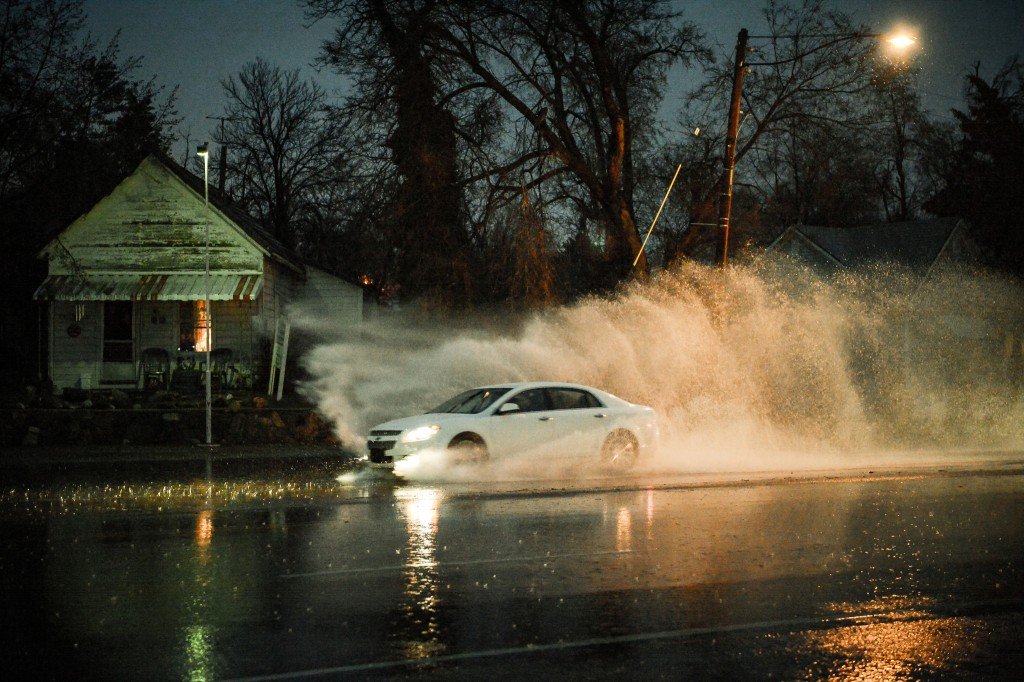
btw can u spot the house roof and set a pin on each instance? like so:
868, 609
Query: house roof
246, 222
916, 244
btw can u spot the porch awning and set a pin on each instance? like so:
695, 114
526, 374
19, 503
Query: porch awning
190, 287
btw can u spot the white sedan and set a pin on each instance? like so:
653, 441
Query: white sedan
531, 419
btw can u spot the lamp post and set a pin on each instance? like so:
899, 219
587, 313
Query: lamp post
898, 41
204, 152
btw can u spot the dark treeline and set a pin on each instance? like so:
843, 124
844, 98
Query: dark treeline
75, 117
507, 151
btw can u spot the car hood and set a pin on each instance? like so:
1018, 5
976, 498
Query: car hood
418, 420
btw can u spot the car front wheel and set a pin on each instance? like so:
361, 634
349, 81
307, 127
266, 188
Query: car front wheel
468, 448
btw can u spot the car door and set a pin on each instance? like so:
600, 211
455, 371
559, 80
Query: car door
527, 431
580, 421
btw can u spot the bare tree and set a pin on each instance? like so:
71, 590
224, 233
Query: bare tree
532, 282
582, 79
913, 148
809, 86
285, 144
558, 97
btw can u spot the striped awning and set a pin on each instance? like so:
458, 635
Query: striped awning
191, 287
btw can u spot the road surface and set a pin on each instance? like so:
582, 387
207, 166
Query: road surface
873, 573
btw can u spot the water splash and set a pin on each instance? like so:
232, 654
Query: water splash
741, 364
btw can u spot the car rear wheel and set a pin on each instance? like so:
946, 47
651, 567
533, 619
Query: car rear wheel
468, 448
620, 450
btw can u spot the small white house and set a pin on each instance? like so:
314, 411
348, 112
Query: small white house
127, 286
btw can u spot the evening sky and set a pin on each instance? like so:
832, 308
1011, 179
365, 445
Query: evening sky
194, 44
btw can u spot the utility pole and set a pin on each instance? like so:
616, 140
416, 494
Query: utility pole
725, 205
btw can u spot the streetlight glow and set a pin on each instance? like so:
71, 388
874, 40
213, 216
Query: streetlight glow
901, 41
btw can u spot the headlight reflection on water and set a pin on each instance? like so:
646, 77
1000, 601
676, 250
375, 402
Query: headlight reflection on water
420, 608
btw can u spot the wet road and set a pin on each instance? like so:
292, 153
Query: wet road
871, 575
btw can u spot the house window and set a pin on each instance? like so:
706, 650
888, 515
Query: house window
195, 331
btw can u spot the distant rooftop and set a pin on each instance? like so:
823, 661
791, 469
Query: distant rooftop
915, 244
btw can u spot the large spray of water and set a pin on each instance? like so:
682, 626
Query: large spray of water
743, 365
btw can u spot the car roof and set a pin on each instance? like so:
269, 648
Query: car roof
515, 385
539, 384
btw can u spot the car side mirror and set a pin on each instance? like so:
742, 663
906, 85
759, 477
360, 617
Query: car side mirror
508, 408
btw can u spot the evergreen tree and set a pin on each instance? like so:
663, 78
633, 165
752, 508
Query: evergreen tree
983, 184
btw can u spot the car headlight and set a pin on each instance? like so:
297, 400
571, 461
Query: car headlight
421, 433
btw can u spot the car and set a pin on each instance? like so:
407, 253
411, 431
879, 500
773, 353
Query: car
545, 419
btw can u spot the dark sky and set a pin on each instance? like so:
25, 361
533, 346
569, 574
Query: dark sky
196, 43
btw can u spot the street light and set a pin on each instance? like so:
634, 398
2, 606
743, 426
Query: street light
901, 41
204, 152
898, 41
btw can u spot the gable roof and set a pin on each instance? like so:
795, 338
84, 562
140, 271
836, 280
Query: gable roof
246, 222
916, 244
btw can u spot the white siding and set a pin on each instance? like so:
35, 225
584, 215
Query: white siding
328, 300
153, 222
279, 288
75, 361
157, 325
232, 328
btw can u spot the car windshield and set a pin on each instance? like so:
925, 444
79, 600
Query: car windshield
470, 402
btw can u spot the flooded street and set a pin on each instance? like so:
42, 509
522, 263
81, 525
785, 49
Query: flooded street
904, 572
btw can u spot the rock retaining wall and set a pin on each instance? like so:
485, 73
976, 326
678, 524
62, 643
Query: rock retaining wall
161, 419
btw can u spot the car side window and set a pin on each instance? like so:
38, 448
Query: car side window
571, 399
532, 400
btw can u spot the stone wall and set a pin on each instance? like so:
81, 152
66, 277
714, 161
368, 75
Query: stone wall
115, 418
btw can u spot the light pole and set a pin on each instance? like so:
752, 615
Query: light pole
898, 41
204, 152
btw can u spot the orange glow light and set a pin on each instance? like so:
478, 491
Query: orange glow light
202, 326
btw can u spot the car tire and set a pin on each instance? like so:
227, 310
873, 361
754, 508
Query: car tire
620, 450
468, 448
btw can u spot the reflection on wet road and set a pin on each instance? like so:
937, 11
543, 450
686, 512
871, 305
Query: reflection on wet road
880, 576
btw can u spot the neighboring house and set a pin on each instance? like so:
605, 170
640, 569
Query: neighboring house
918, 245
127, 285
976, 325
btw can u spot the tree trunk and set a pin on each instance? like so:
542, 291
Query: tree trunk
433, 249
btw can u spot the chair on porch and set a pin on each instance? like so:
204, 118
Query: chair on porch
222, 367
154, 369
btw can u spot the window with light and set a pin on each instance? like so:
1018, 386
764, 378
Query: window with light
195, 331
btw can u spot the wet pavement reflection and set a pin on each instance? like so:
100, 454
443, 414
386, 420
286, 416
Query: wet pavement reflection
898, 576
